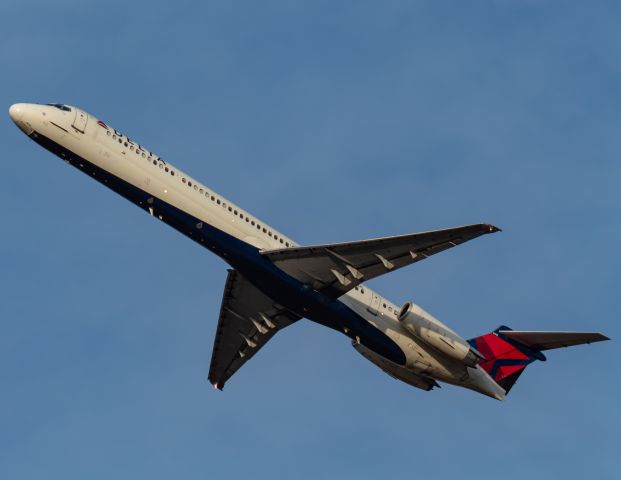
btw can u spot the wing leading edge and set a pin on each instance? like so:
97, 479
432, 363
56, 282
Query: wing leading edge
248, 320
334, 269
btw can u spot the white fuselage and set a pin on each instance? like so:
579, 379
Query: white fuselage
90, 139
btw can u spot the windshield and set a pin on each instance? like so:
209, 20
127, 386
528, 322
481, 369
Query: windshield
60, 106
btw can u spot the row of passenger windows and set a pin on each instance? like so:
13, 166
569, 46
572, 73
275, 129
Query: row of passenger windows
149, 156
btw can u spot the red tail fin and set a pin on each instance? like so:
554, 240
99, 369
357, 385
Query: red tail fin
505, 359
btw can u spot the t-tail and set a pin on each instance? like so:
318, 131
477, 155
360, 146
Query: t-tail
506, 353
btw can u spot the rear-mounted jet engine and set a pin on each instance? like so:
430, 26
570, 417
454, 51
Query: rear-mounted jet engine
434, 333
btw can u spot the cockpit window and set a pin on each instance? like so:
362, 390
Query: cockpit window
60, 106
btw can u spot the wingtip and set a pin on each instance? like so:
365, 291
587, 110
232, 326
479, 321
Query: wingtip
216, 385
491, 228
599, 337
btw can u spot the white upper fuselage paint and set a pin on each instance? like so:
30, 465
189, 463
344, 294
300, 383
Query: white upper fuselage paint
108, 149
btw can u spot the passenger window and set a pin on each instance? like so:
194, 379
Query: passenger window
183, 179
218, 201
161, 166
131, 147
172, 173
189, 183
200, 191
195, 187
166, 169
154, 162
108, 133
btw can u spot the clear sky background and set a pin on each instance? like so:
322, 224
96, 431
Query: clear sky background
331, 121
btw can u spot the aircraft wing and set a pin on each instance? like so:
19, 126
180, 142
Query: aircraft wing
549, 340
336, 268
248, 319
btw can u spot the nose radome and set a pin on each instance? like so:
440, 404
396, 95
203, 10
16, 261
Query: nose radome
16, 111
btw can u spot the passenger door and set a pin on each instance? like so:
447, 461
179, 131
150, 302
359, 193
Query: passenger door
79, 122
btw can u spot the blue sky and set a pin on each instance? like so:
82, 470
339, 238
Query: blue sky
331, 121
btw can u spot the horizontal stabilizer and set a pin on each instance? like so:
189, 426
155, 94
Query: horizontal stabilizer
549, 340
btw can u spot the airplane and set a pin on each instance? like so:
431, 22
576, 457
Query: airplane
273, 281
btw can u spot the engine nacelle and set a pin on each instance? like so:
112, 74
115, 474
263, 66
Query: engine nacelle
396, 371
434, 333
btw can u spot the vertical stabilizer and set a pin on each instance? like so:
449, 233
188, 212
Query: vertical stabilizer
504, 358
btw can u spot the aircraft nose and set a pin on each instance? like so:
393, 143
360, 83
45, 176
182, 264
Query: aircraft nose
16, 112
